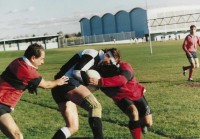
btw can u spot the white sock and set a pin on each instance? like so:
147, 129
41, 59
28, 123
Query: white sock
66, 131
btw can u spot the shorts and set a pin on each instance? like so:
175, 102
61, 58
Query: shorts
4, 109
193, 55
59, 93
141, 105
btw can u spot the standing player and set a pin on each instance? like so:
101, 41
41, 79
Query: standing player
76, 93
120, 84
21, 74
190, 47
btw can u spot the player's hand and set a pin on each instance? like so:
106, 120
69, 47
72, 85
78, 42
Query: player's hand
63, 80
189, 54
94, 81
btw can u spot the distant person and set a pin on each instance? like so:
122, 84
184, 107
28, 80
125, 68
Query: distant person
76, 93
21, 74
114, 40
190, 47
118, 82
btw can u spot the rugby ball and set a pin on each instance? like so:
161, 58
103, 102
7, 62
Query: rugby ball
93, 74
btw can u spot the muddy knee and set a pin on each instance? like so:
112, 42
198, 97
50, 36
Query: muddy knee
91, 104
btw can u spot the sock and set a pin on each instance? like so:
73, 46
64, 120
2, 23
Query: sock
135, 129
62, 133
190, 73
96, 126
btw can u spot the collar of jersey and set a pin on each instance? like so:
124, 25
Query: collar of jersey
28, 62
101, 54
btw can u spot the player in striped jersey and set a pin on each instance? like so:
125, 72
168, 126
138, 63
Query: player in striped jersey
76, 92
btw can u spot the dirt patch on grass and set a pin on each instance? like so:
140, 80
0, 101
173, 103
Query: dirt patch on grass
193, 84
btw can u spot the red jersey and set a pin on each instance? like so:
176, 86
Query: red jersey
17, 77
123, 85
190, 43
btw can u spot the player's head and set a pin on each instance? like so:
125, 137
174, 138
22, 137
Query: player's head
108, 70
35, 53
111, 56
192, 29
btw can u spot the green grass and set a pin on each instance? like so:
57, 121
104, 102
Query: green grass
174, 102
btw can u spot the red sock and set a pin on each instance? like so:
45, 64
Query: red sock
136, 133
135, 129
190, 73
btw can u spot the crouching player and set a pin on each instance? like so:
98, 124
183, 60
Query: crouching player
118, 83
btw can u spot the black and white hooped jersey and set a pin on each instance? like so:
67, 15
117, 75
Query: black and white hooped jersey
81, 62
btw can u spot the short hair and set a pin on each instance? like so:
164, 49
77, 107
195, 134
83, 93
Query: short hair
115, 52
192, 26
33, 50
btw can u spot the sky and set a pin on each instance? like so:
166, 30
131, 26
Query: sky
22, 18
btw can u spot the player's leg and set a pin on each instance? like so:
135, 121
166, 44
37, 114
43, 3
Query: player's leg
70, 115
190, 59
144, 114
191, 70
134, 123
128, 107
9, 127
85, 99
68, 110
147, 121
196, 62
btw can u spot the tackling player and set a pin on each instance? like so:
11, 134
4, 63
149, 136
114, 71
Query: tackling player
21, 74
118, 82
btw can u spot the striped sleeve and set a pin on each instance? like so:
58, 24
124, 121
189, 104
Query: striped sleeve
86, 62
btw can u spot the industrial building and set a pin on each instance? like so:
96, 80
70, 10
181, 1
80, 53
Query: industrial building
160, 23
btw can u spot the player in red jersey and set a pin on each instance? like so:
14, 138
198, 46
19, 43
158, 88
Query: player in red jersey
21, 74
190, 47
118, 82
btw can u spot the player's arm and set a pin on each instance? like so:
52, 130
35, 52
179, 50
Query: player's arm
184, 46
79, 73
40, 82
198, 41
114, 81
51, 84
126, 75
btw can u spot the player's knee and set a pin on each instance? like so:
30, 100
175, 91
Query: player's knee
17, 134
96, 110
192, 66
149, 123
132, 112
92, 106
148, 120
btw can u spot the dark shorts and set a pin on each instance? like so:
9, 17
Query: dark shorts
4, 109
193, 55
141, 105
59, 93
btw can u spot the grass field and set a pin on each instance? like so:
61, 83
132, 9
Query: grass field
174, 101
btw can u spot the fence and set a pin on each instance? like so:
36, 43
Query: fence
99, 38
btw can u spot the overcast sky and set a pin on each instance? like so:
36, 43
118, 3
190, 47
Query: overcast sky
28, 17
